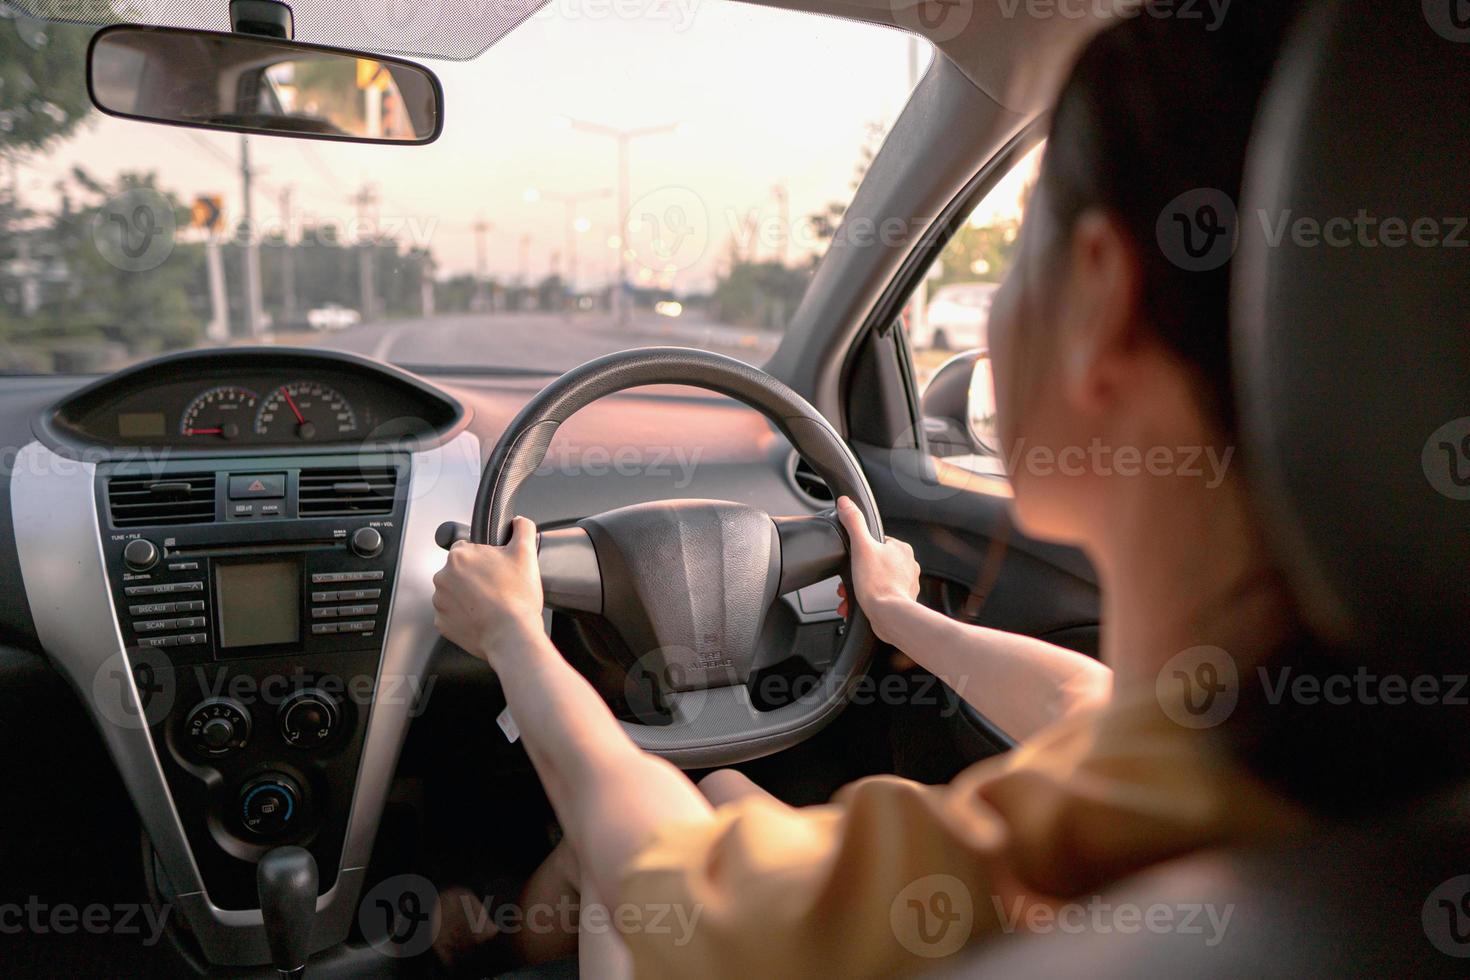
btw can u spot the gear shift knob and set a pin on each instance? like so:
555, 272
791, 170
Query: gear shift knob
286, 881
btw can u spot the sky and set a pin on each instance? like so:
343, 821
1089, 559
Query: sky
765, 101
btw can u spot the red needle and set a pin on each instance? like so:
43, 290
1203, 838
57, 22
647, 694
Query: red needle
300, 420
203, 432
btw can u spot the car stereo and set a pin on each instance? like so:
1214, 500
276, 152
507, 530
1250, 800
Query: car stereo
254, 559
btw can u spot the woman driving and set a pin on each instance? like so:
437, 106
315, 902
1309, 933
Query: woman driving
1098, 337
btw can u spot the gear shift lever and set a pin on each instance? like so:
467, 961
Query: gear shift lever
286, 881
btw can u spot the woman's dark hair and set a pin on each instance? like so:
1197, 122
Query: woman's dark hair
1157, 108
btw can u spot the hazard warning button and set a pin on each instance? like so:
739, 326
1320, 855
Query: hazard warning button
257, 485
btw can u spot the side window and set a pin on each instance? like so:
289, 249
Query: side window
949, 313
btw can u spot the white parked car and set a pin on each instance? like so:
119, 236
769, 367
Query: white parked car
332, 317
957, 317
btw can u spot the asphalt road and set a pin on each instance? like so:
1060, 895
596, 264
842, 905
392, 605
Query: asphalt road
535, 341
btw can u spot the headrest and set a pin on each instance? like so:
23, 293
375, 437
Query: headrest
1352, 321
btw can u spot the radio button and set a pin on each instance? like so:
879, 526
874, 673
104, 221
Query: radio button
155, 641
348, 595
154, 608
323, 612
189, 639
357, 610
357, 626
193, 605
319, 629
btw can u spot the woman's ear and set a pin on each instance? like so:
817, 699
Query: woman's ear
1103, 330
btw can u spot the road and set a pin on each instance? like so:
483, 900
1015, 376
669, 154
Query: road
535, 341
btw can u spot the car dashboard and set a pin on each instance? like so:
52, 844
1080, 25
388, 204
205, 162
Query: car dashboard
229, 554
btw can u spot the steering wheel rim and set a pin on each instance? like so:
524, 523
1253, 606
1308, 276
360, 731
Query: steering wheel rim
719, 724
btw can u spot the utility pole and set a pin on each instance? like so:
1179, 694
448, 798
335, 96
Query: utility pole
622, 137
366, 199
288, 261
254, 323
569, 203
783, 203
481, 228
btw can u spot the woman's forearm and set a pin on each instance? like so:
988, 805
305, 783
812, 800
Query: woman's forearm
1020, 683
609, 795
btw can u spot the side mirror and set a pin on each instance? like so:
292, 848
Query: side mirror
959, 407
250, 84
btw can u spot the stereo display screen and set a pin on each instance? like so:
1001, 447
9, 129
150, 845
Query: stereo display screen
259, 603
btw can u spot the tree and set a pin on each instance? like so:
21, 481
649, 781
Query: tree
43, 82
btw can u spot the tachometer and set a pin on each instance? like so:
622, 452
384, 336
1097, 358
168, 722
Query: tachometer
220, 413
305, 410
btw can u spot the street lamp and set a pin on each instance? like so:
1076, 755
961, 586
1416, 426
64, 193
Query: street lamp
623, 138
571, 221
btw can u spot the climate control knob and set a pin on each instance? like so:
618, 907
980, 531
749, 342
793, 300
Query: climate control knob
140, 554
309, 718
270, 805
366, 542
217, 726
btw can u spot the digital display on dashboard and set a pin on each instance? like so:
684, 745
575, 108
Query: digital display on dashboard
259, 603
140, 425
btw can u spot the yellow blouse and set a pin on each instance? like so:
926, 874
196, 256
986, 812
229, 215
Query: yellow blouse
893, 875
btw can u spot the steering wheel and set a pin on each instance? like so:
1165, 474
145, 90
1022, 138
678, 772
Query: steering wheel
688, 583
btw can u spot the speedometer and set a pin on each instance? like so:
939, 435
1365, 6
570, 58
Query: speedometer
220, 413
305, 410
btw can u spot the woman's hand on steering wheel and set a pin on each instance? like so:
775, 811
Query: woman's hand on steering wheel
884, 573
484, 593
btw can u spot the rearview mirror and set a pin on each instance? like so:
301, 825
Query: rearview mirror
250, 84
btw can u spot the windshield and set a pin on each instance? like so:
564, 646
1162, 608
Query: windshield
731, 136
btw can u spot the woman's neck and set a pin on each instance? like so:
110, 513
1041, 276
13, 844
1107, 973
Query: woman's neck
1182, 565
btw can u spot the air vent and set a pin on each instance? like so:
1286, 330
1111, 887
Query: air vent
809, 483
325, 493
138, 501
